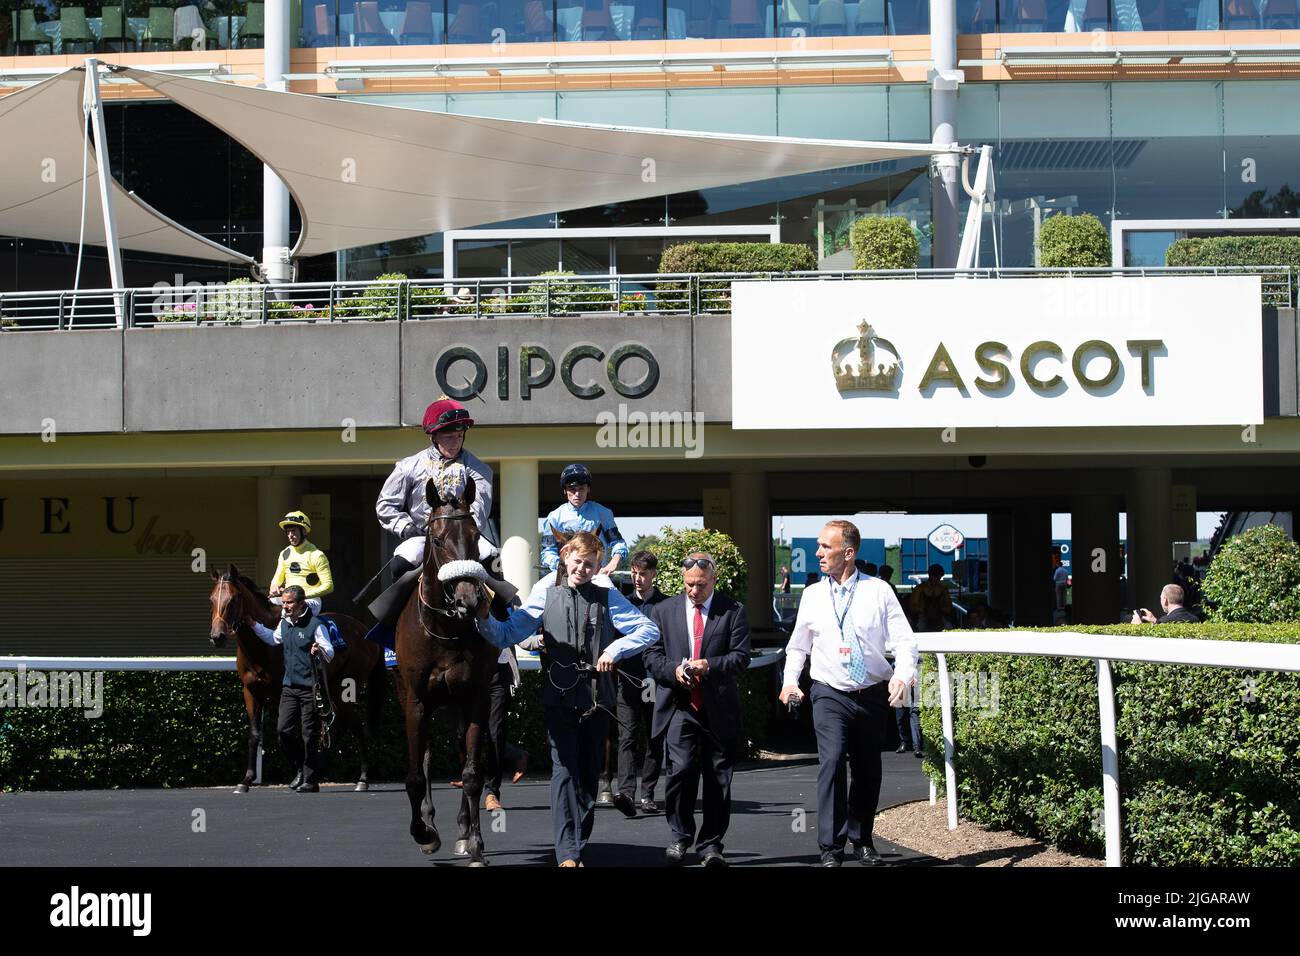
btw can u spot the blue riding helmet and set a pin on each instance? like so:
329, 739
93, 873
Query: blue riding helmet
575, 474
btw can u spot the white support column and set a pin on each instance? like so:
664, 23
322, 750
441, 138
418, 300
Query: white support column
93, 104
520, 550
1109, 762
949, 747
945, 79
275, 195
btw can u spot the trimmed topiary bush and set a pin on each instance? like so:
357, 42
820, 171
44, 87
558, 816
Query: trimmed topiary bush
675, 544
1209, 758
1073, 242
1255, 578
884, 242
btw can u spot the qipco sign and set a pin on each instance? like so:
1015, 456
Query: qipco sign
585, 371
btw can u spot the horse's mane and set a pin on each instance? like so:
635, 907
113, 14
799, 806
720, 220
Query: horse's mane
253, 589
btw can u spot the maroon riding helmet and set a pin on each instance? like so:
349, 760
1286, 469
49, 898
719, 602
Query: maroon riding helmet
446, 413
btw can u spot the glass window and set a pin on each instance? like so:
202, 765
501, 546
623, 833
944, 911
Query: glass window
648, 108
1040, 16
319, 22
910, 17
724, 110
531, 257
1261, 145
976, 16
515, 21
834, 112
1168, 150
909, 114
370, 22
516, 106
638, 255
577, 20
1147, 248
720, 19
482, 258
585, 256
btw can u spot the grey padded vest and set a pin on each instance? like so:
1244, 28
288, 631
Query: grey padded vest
575, 629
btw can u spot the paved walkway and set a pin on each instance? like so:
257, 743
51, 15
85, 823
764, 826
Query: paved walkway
774, 814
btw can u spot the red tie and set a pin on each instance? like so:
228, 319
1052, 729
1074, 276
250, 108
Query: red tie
697, 647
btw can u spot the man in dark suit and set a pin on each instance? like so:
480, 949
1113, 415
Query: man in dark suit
704, 648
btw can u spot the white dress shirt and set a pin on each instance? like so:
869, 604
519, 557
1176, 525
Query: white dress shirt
873, 617
276, 636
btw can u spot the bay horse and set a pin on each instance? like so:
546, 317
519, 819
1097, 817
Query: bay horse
260, 667
443, 661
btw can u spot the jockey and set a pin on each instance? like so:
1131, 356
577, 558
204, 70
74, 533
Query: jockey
402, 508
580, 513
302, 563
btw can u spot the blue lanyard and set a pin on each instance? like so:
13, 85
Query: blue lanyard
848, 604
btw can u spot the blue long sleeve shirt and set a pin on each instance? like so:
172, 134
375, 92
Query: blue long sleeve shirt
638, 631
593, 517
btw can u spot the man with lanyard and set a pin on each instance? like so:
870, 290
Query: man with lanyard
302, 563
844, 621
303, 637
403, 510
581, 626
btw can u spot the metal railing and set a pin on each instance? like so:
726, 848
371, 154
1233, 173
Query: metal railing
1103, 648
247, 303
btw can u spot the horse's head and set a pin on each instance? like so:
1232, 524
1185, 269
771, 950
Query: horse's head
452, 534
227, 601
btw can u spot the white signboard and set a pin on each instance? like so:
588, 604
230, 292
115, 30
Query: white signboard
946, 538
985, 353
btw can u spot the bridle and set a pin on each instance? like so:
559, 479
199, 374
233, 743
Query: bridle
434, 543
233, 598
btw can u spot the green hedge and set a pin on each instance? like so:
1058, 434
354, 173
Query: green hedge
1209, 762
1228, 251
1255, 578
714, 296
884, 242
181, 729
1073, 242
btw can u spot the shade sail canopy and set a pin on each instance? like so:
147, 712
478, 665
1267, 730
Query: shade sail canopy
362, 173
42, 147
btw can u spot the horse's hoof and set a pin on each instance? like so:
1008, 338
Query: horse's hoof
474, 863
430, 848
241, 788
461, 849
428, 839
362, 786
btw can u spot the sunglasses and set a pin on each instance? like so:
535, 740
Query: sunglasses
704, 564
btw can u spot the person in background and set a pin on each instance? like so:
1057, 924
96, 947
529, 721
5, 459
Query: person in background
931, 603
302, 563
1171, 602
636, 702
887, 575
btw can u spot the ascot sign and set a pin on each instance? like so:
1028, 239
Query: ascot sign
1000, 352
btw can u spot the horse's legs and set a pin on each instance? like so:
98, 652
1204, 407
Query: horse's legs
253, 707
471, 837
417, 781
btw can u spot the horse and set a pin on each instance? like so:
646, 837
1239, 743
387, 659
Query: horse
443, 661
260, 666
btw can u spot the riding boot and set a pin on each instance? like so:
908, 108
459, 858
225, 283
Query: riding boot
388, 607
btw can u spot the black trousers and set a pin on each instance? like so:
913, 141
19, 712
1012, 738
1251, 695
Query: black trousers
634, 719
299, 731
499, 752
850, 734
693, 752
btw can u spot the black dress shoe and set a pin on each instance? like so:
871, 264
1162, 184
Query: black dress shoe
867, 855
901, 749
312, 787
297, 781
648, 805
830, 859
623, 803
714, 859
920, 755
676, 852
604, 799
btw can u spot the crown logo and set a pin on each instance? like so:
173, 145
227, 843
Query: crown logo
869, 375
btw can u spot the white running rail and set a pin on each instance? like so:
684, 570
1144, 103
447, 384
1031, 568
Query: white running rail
1103, 648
